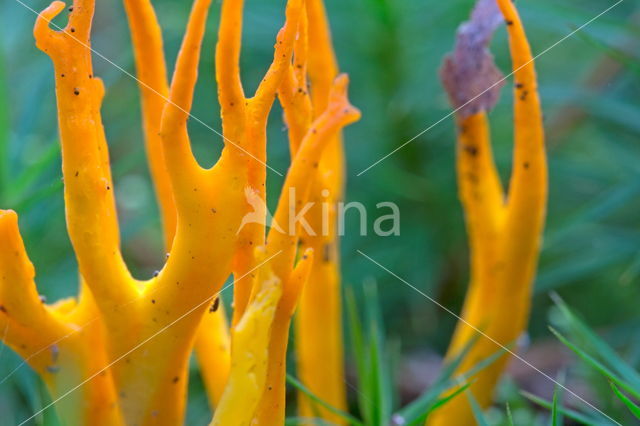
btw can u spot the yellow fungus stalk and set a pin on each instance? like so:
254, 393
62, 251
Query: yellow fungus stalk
212, 341
319, 318
63, 343
249, 356
504, 229
339, 113
307, 140
281, 249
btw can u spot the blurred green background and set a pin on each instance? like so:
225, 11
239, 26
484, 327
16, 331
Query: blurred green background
590, 88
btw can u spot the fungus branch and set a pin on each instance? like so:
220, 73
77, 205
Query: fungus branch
152, 75
244, 119
58, 341
504, 231
90, 204
281, 247
319, 318
339, 113
212, 342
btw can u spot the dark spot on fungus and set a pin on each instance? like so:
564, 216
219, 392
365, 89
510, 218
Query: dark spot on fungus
327, 253
519, 85
73, 30
523, 96
156, 273
108, 188
77, 173
52, 369
55, 352
175, 379
3, 309
471, 150
526, 165
216, 304
509, 22
153, 301
214, 211
71, 9
76, 92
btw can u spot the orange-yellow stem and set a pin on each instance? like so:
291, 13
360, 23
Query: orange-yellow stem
338, 114
63, 343
319, 319
504, 232
151, 72
213, 335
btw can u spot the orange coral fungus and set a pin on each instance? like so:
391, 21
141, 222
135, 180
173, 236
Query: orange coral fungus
504, 229
121, 351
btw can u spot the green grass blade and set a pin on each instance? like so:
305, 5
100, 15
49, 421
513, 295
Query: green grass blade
579, 417
302, 388
40, 194
430, 396
635, 409
580, 330
381, 389
445, 381
556, 415
439, 403
357, 339
510, 415
615, 53
597, 365
477, 410
23, 182
4, 130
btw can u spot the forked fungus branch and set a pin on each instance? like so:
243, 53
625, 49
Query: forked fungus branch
504, 228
